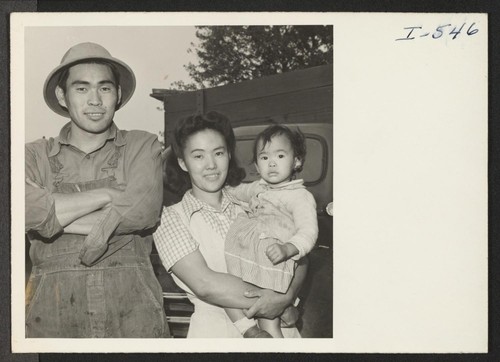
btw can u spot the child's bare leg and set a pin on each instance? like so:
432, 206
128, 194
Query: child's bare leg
234, 314
272, 326
247, 327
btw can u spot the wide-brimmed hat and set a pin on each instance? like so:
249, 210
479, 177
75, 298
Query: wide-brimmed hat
81, 53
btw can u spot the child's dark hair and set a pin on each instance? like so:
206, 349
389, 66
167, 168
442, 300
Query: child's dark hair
296, 138
177, 180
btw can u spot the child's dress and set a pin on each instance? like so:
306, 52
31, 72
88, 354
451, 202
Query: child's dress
276, 214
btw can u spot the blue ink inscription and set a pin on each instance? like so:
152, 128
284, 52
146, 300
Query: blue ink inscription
441, 31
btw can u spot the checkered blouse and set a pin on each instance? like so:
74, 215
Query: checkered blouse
173, 239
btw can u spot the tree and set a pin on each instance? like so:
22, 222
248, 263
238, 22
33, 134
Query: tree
231, 54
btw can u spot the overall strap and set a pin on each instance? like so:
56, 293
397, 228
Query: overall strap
112, 163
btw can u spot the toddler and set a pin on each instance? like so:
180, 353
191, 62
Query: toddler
280, 227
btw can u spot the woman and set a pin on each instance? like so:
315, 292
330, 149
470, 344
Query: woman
190, 239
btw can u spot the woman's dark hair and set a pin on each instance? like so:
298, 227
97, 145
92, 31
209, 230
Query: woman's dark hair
296, 138
177, 180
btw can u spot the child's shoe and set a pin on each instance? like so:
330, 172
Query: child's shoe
289, 317
256, 332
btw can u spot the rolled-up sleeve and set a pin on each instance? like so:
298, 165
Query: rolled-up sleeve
138, 208
40, 213
140, 205
173, 239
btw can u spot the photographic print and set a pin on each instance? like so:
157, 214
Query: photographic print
180, 176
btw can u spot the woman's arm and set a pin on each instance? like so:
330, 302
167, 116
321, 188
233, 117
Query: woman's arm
180, 254
221, 289
228, 291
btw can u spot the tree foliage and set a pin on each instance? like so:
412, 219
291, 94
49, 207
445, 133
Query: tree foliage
231, 54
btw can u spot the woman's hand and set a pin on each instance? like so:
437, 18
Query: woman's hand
271, 304
268, 305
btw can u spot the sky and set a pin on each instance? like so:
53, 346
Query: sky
156, 54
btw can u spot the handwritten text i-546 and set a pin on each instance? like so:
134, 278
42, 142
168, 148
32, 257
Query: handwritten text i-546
441, 31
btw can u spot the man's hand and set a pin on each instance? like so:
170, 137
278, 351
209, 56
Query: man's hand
114, 193
268, 305
280, 252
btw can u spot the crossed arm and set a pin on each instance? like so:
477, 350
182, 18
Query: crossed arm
101, 213
78, 212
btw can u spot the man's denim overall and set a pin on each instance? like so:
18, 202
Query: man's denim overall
117, 297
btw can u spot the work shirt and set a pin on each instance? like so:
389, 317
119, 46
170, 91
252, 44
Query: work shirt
129, 159
101, 284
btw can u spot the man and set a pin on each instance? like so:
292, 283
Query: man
93, 196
